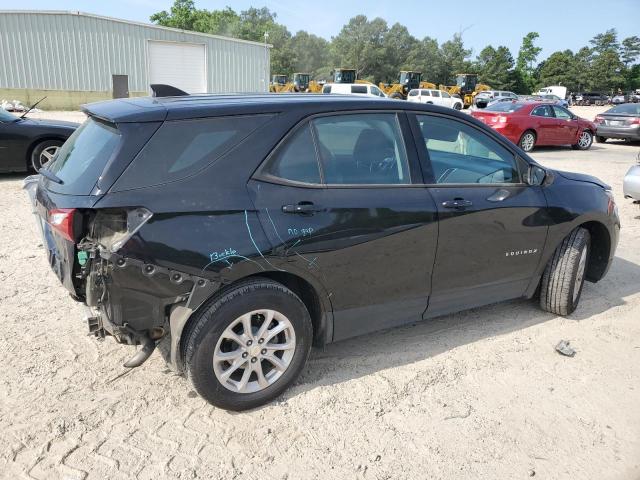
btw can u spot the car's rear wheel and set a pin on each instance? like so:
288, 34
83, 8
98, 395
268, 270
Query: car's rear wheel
527, 141
601, 139
44, 152
563, 278
457, 106
397, 96
585, 140
247, 345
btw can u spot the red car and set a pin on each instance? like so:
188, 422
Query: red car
530, 124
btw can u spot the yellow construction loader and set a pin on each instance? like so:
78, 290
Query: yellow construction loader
408, 81
278, 83
466, 87
281, 83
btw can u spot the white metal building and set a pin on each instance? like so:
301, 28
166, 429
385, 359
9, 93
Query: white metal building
75, 57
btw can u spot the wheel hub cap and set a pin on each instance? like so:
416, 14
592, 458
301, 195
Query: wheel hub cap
254, 351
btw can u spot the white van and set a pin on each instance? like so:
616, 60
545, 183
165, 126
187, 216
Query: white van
366, 89
557, 90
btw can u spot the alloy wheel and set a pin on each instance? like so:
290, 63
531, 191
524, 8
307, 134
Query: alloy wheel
254, 351
585, 140
528, 140
46, 156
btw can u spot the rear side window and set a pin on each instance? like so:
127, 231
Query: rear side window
83, 157
296, 159
181, 148
359, 89
362, 149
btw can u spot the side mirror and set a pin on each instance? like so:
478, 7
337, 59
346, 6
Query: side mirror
535, 175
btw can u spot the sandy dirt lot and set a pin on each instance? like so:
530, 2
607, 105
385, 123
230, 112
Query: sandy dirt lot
476, 395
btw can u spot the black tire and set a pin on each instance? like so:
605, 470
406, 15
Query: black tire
36, 159
584, 141
397, 96
563, 278
601, 139
217, 314
524, 142
457, 106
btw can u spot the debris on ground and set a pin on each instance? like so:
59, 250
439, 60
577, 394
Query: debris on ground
564, 348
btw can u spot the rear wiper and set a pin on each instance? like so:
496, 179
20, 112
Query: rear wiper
51, 176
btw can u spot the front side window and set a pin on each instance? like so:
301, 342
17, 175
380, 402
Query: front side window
562, 113
445, 95
426, 93
376, 91
462, 154
295, 159
326, 89
435, 93
362, 149
413, 93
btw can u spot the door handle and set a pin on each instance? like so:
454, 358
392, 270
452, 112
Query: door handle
301, 208
457, 203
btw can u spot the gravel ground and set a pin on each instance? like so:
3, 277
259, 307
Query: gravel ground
476, 395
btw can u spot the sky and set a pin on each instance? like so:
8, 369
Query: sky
562, 24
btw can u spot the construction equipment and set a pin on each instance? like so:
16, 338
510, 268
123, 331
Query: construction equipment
408, 80
281, 83
339, 75
466, 87
278, 83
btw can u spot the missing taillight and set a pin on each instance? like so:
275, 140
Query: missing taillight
61, 220
112, 228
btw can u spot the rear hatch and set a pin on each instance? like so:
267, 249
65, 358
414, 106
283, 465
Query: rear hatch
67, 189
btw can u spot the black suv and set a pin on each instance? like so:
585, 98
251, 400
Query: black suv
233, 232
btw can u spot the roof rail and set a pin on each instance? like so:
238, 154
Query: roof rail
162, 90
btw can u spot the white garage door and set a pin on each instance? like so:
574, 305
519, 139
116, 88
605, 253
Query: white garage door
181, 65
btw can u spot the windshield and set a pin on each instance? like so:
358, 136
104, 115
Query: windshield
80, 161
504, 107
345, 76
7, 117
627, 108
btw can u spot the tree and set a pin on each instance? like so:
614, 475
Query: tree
182, 15
398, 45
454, 58
496, 67
360, 45
607, 72
630, 50
558, 70
311, 51
425, 57
527, 56
605, 42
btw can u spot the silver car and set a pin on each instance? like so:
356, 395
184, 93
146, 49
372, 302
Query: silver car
631, 186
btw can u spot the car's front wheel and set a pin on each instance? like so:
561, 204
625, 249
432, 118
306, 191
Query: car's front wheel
527, 141
563, 278
585, 140
44, 152
247, 345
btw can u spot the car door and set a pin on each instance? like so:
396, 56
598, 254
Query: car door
13, 143
446, 100
491, 224
567, 125
425, 96
545, 125
338, 200
435, 95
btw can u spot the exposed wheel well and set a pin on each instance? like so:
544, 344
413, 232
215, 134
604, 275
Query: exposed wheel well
600, 250
309, 297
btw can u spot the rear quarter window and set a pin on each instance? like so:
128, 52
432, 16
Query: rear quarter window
180, 148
